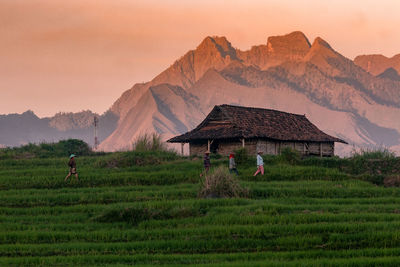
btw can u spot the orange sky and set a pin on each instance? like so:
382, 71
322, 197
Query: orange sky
82, 54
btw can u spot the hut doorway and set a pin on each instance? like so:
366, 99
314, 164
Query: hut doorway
214, 147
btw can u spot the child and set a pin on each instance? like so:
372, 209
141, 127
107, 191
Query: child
72, 167
260, 164
232, 164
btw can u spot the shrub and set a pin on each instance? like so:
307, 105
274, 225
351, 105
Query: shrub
149, 142
62, 148
241, 155
392, 181
375, 162
290, 155
75, 146
220, 184
377, 153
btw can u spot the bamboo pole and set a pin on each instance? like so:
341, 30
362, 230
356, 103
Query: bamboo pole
320, 150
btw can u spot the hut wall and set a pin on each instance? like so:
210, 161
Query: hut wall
313, 148
267, 147
284, 145
225, 148
229, 147
324, 149
328, 149
197, 149
300, 147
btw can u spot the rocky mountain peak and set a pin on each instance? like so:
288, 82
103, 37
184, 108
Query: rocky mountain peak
319, 52
321, 42
295, 43
211, 45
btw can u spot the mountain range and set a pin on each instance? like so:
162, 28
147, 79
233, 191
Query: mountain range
21, 129
356, 100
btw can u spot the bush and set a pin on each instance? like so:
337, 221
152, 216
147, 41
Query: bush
73, 146
290, 155
378, 153
220, 184
241, 155
392, 181
62, 148
149, 142
375, 162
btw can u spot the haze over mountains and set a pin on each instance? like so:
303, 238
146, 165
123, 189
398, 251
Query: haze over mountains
20, 129
358, 101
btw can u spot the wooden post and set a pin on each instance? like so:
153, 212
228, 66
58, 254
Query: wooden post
243, 142
208, 145
182, 144
320, 150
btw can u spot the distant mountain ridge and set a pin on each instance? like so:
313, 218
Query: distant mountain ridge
20, 129
288, 73
377, 64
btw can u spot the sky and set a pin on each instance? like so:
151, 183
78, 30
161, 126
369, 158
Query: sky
69, 56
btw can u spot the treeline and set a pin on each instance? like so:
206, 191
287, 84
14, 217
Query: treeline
62, 148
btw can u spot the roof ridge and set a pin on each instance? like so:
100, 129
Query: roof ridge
255, 108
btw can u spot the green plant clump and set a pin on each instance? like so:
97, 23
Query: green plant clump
221, 184
241, 156
290, 155
149, 142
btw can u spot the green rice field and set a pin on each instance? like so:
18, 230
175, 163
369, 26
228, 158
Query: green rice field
148, 213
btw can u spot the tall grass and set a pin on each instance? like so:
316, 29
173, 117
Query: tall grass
221, 184
149, 142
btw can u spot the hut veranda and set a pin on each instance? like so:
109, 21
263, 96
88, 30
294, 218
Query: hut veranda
227, 128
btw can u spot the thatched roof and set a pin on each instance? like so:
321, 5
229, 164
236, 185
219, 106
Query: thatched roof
227, 122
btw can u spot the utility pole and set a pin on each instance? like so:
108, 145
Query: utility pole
96, 141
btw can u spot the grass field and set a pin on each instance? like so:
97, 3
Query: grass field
148, 213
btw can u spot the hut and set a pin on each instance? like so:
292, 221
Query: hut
227, 128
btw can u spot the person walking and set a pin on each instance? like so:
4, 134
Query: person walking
232, 164
260, 164
72, 167
206, 162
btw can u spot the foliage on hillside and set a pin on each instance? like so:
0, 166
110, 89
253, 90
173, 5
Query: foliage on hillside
62, 148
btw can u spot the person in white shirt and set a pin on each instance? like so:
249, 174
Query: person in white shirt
260, 164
